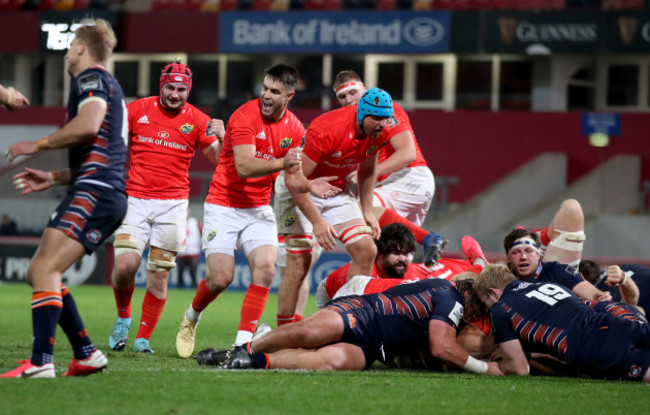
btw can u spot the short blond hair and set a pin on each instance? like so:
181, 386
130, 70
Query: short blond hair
99, 36
493, 276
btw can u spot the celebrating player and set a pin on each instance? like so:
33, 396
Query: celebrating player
262, 138
164, 133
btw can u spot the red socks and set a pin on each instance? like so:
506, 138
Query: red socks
253, 307
390, 216
152, 308
543, 235
288, 319
203, 297
123, 300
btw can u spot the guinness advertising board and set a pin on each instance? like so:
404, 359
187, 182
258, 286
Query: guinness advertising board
628, 32
543, 33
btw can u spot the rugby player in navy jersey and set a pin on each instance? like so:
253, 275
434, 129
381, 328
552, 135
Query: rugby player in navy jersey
545, 317
95, 205
629, 283
523, 254
351, 332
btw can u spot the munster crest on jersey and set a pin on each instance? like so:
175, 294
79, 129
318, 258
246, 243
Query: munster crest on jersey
186, 128
211, 235
290, 220
371, 150
286, 142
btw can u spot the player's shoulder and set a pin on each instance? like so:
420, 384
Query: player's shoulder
437, 284
145, 102
554, 267
399, 112
294, 122
335, 114
194, 111
247, 112
94, 78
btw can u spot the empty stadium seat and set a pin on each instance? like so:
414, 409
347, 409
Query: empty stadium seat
623, 4
280, 5
226, 5
313, 5
11, 4
386, 4
81, 4
64, 5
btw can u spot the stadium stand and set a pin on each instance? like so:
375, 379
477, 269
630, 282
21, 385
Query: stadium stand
316, 5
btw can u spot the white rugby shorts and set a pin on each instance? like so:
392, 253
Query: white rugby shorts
161, 223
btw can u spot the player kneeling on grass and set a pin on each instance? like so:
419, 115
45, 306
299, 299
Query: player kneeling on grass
350, 333
549, 318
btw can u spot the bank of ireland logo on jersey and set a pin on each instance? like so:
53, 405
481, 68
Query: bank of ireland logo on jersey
211, 235
285, 142
186, 128
423, 31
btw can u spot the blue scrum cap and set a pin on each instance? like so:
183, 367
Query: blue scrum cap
375, 102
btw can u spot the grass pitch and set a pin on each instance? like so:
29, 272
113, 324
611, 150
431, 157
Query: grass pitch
163, 383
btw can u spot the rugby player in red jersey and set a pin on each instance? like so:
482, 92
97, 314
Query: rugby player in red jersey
164, 133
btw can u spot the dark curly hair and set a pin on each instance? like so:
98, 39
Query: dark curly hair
394, 238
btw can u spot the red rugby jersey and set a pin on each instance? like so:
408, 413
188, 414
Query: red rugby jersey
400, 122
162, 144
331, 144
272, 140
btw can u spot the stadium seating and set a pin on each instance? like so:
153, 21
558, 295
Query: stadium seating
623, 4
316, 5
11, 4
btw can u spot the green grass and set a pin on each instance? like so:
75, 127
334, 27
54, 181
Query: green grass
162, 383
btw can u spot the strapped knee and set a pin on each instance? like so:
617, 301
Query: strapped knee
354, 233
569, 241
160, 260
299, 244
125, 243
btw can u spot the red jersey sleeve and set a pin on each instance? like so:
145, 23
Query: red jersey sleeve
336, 280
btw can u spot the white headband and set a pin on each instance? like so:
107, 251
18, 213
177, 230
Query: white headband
348, 86
524, 240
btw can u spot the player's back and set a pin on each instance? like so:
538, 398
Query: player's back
331, 143
549, 318
101, 158
399, 123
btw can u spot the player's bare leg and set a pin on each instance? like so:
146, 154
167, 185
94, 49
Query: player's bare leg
127, 261
338, 356
363, 254
566, 234
322, 327
294, 275
159, 266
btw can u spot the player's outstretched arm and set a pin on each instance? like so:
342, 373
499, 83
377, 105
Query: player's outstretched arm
81, 128
33, 180
12, 99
